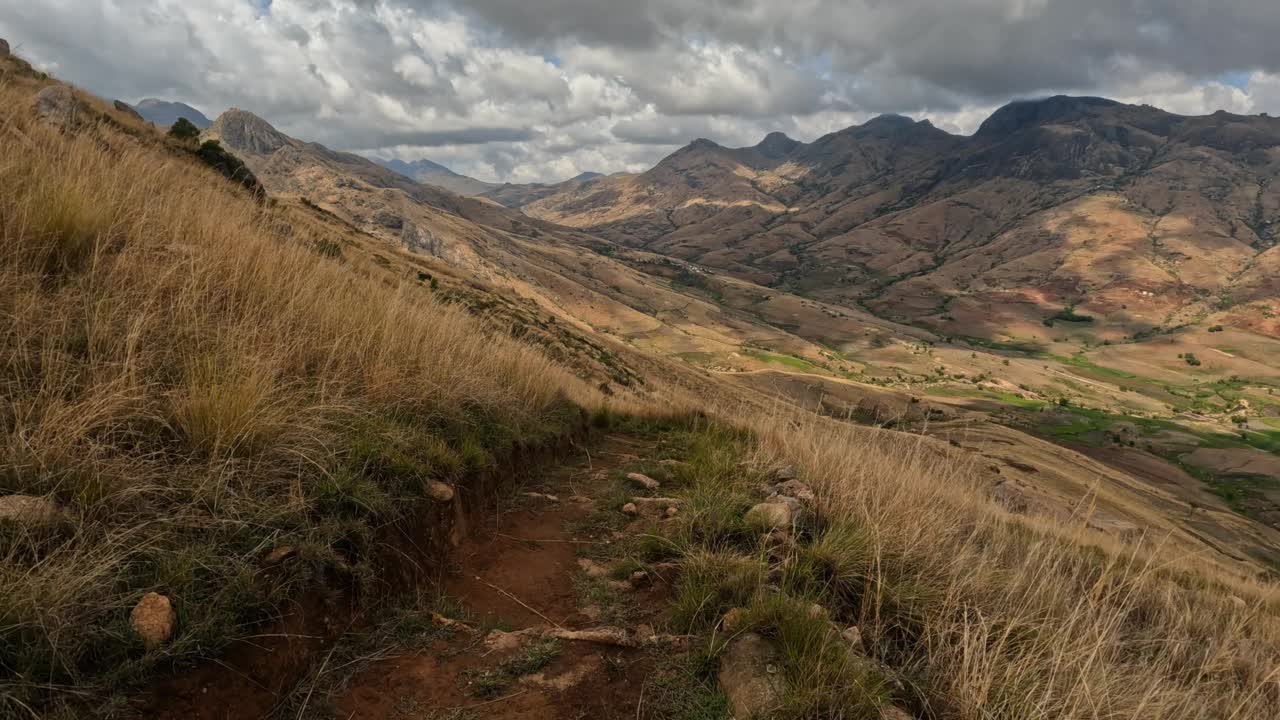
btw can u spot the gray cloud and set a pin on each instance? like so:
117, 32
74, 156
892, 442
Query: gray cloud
544, 89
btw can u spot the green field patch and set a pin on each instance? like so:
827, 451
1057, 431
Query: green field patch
1029, 347
1079, 360
779, 358
993, 395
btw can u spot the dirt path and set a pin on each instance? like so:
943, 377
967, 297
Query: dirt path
527, 569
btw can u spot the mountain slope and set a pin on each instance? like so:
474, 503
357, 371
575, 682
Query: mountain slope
642, 298
165, 113
430, 173
1139, 217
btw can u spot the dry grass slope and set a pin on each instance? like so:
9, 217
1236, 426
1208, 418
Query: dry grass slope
992, 617
194, 384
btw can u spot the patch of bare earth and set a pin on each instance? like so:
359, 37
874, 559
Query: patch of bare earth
518, 581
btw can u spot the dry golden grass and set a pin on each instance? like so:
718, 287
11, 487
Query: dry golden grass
194, 384
991, 617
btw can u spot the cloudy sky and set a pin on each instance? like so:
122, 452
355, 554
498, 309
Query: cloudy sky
540, 90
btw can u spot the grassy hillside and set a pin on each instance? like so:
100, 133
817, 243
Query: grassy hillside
196, 379
194, 383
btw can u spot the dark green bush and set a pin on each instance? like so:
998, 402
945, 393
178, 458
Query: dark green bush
183, 129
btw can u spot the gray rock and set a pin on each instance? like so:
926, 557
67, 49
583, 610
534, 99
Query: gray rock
770, 514
853, 636
1010, 496
797, 490
751, 677
784, 473
388, 219
4, 48
57, 104
127, 109
29, 510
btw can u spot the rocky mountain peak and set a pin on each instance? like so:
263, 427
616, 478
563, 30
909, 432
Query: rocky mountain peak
1027, 113
776, 145
242, 130
703, 144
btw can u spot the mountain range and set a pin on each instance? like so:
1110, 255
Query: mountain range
1140, 218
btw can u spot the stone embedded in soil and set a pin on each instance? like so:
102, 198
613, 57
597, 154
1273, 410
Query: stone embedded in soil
770, 514
733, 619
644, 481
29, 510
1013, 498
439, 492
592, 568
672, 511
795, 489
501, 641
630, 509
153, 619
890, 712
750, 677
661, 503
853, 636
278, 555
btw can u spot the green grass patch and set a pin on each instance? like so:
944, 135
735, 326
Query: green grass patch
779, 359
1029, 347
1079, 360
683, 687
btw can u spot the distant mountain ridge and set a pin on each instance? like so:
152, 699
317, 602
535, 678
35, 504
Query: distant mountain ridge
428, 172
433, 173
165, 113
1144, 218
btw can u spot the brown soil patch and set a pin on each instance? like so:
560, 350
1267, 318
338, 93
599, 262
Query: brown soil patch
519, 572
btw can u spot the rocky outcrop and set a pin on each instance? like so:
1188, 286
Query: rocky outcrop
58, 104
751, 677
246, 132
127, 109
4, 48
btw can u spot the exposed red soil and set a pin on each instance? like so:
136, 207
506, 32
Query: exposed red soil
518, 571
255, 673
515, 569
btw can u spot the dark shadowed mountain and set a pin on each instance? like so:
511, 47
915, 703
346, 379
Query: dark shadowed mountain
165, 113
